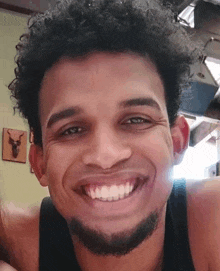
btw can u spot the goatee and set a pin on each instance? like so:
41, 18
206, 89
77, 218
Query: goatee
117, 244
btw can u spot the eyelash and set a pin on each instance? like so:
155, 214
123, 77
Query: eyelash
139, 120
139, 123
72, 128
134, 121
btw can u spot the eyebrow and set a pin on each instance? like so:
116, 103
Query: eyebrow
64, 114
141, 101
71, 111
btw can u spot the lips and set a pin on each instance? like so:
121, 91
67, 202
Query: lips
113, 195
112, 191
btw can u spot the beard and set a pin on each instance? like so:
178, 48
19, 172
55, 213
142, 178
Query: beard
118, 244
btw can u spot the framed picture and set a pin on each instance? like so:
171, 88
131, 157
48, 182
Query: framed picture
14, 145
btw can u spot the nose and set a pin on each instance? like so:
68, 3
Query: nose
106, 151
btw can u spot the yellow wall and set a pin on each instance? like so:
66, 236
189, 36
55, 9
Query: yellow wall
17, 184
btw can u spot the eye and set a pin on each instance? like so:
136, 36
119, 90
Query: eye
73, 131
137, 123
137, 120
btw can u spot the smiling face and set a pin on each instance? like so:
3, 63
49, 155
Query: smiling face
107, 145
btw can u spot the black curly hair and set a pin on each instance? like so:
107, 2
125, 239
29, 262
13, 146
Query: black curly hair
79, 27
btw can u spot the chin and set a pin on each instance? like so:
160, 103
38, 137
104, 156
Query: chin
117, 243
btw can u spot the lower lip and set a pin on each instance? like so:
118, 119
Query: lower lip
121, 207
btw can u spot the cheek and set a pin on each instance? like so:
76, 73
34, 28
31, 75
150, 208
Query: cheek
59, 158
158, 147
59, 161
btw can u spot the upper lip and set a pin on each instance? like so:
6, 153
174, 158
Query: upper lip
110, 179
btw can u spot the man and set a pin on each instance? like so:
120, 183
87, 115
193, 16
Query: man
99, 82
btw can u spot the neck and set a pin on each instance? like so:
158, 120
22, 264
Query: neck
148, 256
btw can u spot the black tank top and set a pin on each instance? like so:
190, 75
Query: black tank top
57, 252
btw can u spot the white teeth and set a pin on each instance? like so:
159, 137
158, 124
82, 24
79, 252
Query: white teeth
98, 193
109, 193
121, 191
127, 188
113, 191
92, 194
116, 197
104, 192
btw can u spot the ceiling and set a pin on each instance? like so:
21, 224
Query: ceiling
202, 21
206, 29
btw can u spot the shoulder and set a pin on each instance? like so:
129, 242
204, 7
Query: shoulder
203, 214
203, 199
20, 235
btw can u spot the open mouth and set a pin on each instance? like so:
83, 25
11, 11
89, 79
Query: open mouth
113, 192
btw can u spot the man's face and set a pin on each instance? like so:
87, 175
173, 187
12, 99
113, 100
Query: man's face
107, 145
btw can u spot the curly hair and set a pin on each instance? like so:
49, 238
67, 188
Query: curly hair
79, 27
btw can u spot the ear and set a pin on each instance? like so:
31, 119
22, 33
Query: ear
36, 160
180, 135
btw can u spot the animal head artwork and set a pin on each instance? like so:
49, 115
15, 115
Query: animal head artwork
15, 141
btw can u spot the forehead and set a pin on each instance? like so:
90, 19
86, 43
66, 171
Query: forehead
118, 65
99, 77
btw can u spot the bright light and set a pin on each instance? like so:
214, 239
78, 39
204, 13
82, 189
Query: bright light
195, 161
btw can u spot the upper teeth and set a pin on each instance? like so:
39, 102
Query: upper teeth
109, 193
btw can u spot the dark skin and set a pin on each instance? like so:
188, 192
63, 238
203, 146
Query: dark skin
92, 145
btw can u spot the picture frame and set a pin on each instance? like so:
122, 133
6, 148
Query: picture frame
14, 145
